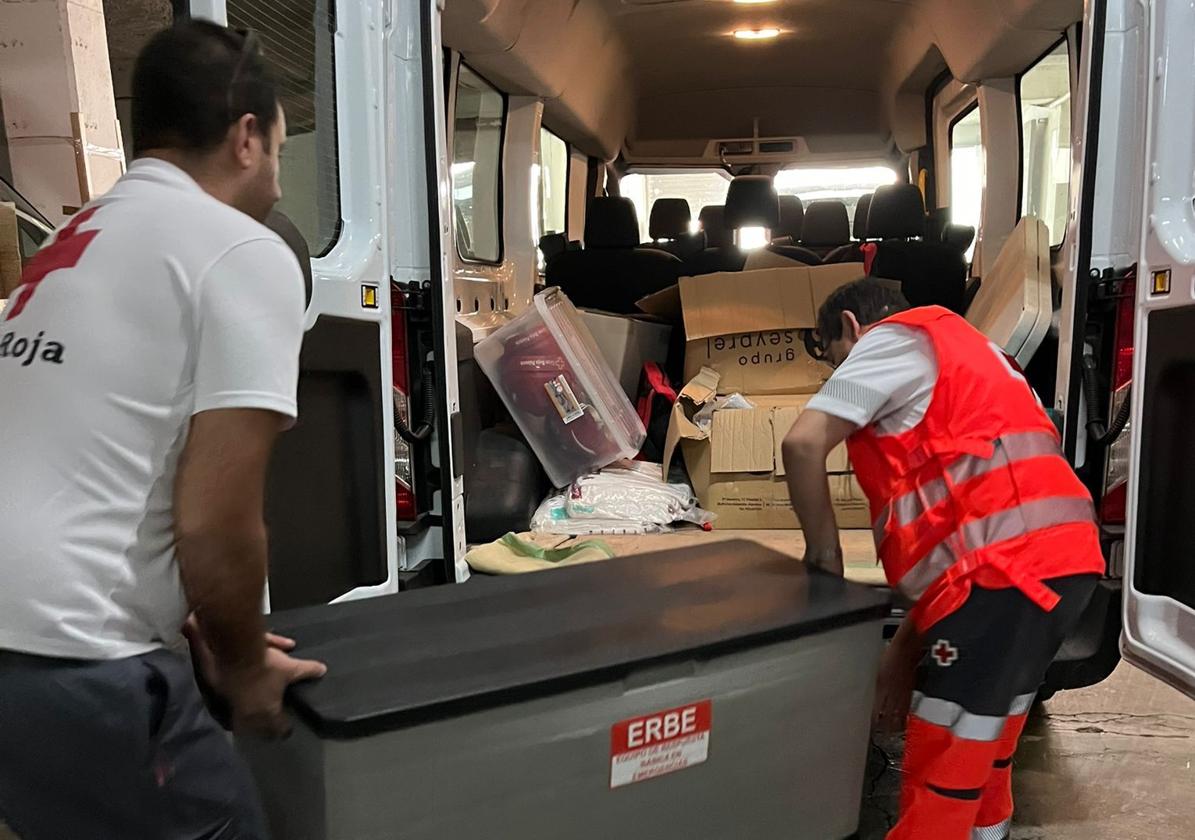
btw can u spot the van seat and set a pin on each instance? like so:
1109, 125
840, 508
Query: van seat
792, 219
751, 201
713, 224
853, 251
669, 228
826, 226
612, 272
930, 272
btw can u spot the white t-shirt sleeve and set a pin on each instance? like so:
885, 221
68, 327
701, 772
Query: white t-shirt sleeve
888, 376
250, 326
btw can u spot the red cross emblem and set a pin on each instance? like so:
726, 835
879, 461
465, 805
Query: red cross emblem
945, 653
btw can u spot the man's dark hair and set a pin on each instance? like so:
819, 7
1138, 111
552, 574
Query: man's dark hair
194, 80
870, 299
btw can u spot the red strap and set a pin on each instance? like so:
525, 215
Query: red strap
868, 249
657, 386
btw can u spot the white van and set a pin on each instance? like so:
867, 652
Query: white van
435, 145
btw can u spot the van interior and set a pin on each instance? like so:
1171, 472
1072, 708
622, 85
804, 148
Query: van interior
678, 139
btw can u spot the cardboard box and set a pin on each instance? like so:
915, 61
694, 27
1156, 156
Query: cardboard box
736, 467
750, 326
627, 342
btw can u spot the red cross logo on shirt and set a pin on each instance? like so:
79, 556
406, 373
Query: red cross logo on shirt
945, 653
64, 252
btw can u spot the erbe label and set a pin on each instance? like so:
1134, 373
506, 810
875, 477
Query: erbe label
655, 745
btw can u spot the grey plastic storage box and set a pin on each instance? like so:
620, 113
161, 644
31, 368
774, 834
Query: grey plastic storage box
560, 390
714, 693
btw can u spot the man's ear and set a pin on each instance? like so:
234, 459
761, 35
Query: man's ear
243, 135
850, 326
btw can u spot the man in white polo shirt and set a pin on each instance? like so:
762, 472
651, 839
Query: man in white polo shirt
147, 363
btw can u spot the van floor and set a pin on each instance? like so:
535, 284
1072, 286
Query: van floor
857, 546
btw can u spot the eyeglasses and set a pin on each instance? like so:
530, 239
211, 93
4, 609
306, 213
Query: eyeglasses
249, 49
814, 347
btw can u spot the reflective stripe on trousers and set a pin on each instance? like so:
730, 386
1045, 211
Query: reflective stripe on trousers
1008, 449
964, 724
999, 831
995, 528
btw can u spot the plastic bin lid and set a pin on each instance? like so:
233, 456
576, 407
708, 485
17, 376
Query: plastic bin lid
1015, 302
428, 654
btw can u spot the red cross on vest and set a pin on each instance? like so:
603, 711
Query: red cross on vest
945, 653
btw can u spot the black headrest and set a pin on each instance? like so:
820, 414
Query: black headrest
752, 202
670, 219
826, 223
611, 222
958, 237
281, 224
897, 212
713, 224
861, 209
792, 217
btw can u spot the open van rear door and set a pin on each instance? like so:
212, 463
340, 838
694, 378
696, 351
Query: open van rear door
1159, 601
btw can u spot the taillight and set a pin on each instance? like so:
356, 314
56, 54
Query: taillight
404, 487
1116, 475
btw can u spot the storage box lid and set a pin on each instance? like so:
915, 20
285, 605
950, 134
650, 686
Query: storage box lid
424, 655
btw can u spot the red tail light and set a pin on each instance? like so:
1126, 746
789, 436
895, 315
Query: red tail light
404, 488
1115, 499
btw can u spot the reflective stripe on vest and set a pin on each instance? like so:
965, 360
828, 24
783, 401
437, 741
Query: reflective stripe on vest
994, 528
999, 831
1008, 449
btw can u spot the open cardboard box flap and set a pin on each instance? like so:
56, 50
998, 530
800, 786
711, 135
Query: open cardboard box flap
741, 440
750, 301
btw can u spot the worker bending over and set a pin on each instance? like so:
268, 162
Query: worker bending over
978, 520
133, 466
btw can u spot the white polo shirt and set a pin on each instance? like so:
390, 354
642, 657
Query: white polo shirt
886, 382
164, 303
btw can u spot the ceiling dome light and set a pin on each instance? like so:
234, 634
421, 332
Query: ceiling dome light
756, 34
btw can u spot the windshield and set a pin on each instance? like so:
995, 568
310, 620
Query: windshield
700, 187
846, 184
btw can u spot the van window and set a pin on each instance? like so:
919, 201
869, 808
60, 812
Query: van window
846, 184
552, 174
700, 187
1044, 96
297, 40
478, 127
966, 171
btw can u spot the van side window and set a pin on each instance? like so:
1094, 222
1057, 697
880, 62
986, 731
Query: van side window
966, 171
552, 173
478, 128
297, 41
1044, 98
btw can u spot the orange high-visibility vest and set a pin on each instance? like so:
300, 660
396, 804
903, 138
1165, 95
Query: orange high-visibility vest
979, 491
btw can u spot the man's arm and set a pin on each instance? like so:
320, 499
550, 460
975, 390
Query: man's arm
221, 548
805, 449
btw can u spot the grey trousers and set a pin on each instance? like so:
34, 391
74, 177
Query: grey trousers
117, 750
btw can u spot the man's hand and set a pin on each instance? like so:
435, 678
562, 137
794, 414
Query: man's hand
897, 677
805, 447
255, 694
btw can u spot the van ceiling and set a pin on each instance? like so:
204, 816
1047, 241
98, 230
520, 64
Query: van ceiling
660, 79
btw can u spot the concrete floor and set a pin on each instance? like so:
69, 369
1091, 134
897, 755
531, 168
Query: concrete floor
1113, 761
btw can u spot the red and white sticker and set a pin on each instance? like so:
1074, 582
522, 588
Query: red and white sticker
654, 745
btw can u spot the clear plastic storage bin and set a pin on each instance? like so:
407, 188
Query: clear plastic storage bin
550, 373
